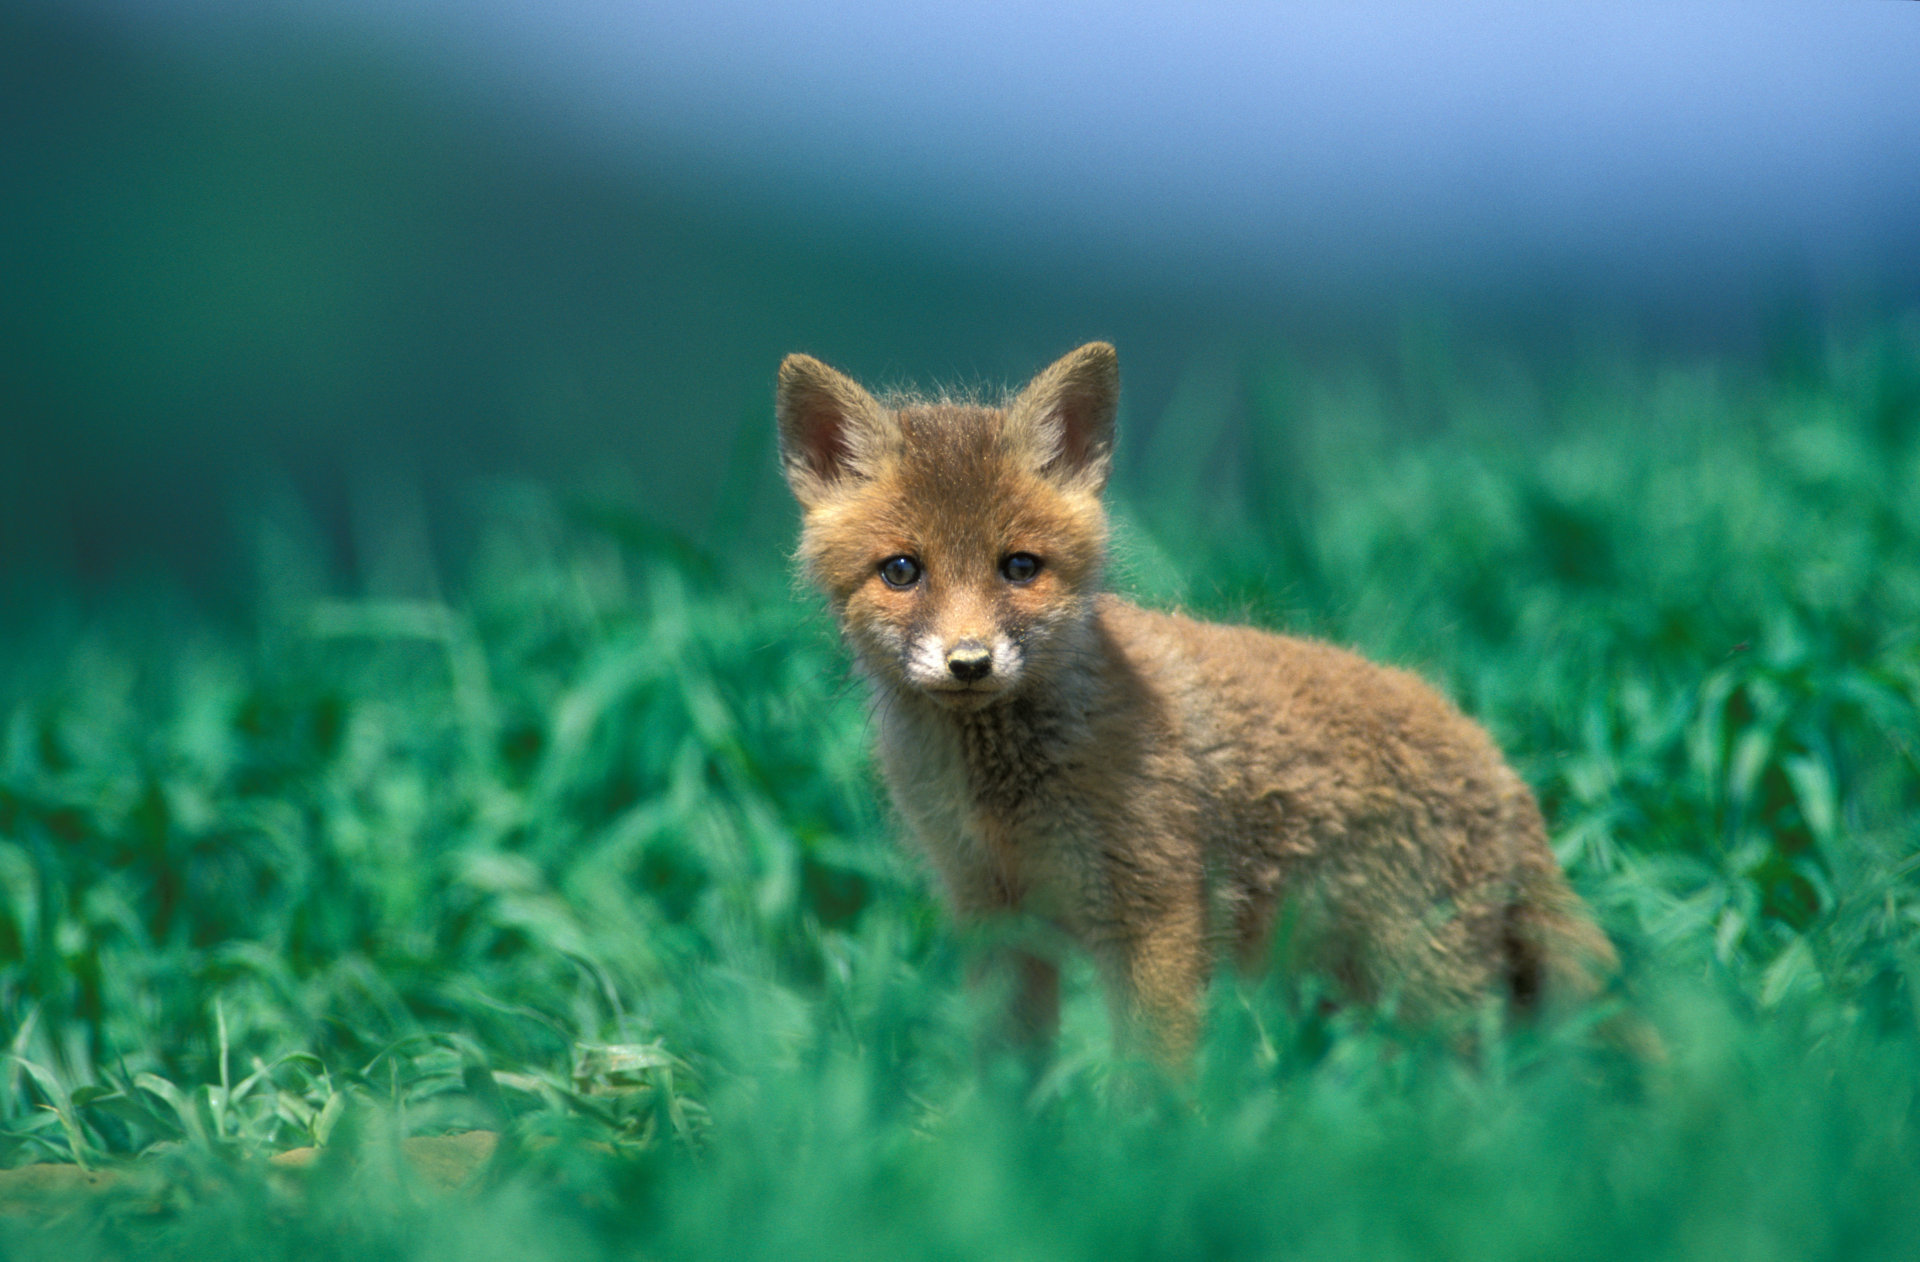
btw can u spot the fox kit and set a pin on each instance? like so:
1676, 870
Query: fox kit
1158, 788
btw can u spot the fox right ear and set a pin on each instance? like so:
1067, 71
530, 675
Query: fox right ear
1065, 415
830, 428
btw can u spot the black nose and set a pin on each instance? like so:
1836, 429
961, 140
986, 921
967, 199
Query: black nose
969, 661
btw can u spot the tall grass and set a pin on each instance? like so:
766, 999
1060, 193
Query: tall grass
589, 854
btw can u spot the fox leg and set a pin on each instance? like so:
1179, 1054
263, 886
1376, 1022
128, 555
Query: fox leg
1035, 1016
1157, 974
978, 894
1029, 1026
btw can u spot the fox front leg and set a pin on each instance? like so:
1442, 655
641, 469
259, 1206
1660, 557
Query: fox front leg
1029, 1024
1156, 976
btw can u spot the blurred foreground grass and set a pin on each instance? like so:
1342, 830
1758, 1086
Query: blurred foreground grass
588, 854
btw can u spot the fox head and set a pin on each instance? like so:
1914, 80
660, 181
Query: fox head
961, 546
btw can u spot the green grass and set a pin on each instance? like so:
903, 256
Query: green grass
589, 853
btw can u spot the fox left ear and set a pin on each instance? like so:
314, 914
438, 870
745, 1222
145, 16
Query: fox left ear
831, 430
1065, 415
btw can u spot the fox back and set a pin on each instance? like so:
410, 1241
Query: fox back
1158, 788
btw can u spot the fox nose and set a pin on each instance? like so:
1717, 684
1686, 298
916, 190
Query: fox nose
969, 660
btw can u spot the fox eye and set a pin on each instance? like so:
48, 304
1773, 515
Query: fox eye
900, 571
1020, 567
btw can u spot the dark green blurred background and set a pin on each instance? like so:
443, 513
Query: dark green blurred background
407, 720
314, 264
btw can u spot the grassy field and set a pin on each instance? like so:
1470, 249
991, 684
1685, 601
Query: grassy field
587, 853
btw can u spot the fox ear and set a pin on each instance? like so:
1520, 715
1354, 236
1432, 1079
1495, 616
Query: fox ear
830, 428
1065, 415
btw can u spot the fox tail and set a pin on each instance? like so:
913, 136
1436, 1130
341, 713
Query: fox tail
1559, 959
1557, 956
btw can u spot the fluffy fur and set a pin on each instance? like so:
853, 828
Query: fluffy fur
1157, 787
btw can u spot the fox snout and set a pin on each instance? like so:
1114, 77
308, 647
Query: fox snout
965, 663
969, 660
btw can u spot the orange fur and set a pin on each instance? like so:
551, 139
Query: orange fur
1155, 786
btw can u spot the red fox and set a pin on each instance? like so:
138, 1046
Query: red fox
1157, 787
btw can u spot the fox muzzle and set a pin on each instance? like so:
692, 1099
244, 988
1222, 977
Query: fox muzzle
969, 660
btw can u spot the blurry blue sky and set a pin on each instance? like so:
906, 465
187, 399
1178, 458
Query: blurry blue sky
1244, 143
465, 239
